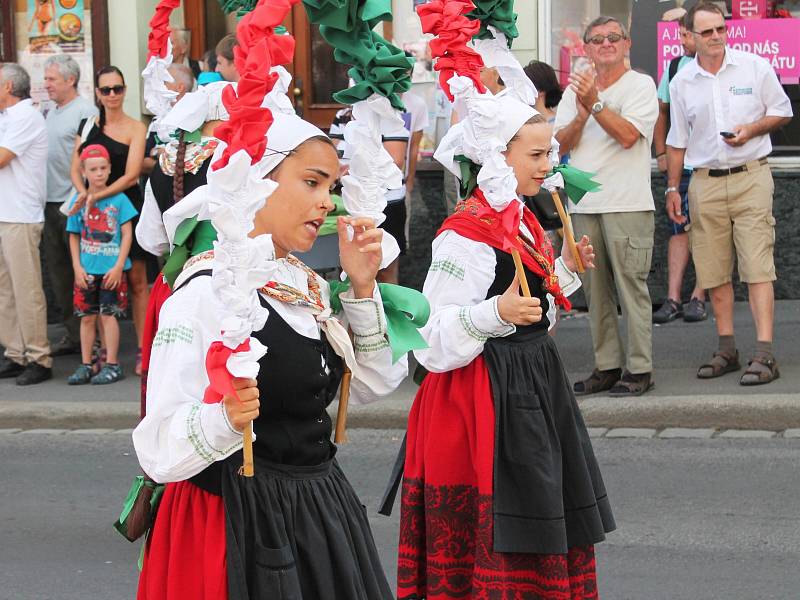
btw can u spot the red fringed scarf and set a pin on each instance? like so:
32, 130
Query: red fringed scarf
476, 220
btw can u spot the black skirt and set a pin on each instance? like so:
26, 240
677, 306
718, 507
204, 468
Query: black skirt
298, 533
549, 494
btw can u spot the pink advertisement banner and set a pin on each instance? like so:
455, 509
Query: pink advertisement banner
777, 40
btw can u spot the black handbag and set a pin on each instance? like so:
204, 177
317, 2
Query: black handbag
544, 209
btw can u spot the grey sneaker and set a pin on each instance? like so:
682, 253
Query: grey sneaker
108, 374
81, 376
695, 311
669, 311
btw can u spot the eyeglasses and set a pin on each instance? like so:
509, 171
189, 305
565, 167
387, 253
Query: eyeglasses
707, 33
117, 89
613, 38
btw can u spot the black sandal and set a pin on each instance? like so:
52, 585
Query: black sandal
720, 364
632, 385
598, 381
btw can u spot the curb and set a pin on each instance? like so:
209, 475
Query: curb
768, 412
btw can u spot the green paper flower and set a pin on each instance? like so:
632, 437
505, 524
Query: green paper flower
497, 13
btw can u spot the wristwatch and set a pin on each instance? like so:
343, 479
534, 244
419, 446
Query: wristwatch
598, 106
671, 189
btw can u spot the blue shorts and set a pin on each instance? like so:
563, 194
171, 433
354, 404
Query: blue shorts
683, 190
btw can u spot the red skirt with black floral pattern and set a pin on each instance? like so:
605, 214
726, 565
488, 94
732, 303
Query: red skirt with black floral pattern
446, 516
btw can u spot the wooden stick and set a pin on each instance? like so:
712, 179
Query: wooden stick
341, 416
248, 469
523, 280
569, 236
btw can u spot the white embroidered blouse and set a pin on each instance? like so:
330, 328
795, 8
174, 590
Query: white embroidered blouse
462, 318
180, 435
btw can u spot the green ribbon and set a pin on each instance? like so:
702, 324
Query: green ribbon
192, 237
406, 311
576, 182
329, 227
497, 13
469, 176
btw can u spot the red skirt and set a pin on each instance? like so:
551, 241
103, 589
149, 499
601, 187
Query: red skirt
185, 554
446, 511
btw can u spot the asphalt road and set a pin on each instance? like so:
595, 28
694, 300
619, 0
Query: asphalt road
698, 519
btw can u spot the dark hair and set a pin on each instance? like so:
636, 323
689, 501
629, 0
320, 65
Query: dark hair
226, 45
210, 59
544, 79
317, 138
180, 168
604, 20
701, 7
101, 122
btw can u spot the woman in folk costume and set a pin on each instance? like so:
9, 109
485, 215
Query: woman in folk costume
502, 495
296, 530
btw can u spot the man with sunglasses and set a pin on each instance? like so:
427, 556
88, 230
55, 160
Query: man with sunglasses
724, 105
605, 120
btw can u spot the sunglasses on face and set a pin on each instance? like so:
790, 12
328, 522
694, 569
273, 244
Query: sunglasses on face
613, 38
707, 33
107, 89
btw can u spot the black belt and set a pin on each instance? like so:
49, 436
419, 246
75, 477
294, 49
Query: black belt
734, 170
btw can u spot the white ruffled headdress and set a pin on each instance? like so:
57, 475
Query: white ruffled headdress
496, 54
490, 123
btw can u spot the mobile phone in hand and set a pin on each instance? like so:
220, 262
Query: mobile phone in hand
727, 134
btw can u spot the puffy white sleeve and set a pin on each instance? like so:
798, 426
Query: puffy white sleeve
379, 375
150, 231
462, 319
180, 435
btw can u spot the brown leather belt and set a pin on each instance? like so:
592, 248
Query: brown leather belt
753, 164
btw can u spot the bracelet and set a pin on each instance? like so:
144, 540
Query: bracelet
671, 189
660, 155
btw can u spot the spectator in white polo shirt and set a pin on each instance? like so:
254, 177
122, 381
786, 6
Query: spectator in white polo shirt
61, 76
724, 105
23, 160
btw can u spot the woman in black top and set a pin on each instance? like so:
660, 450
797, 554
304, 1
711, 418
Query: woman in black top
124, 138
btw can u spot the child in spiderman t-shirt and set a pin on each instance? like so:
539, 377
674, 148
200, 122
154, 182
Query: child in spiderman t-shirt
100, 239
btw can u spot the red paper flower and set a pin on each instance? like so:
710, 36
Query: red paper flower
447, 20
258, 51
159, 28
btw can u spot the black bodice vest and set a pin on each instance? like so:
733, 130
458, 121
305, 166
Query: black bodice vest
297, 380
162, 184
504, 272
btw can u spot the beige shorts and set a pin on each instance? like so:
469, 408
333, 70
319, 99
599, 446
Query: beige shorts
731, 217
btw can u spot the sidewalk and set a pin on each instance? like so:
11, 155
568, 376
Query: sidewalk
679, 399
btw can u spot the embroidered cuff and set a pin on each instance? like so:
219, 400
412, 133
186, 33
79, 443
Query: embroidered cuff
210, 434
483, 321
364, 315
568, 280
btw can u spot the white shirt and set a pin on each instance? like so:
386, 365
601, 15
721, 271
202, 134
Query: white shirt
415, 118
180, 435
623, 174
23, 181
462, 318
743, 91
